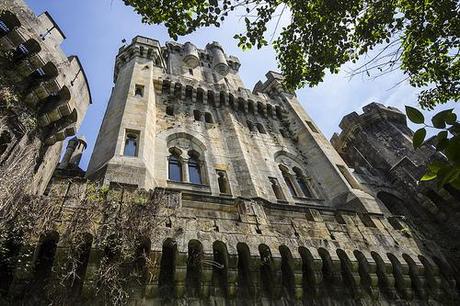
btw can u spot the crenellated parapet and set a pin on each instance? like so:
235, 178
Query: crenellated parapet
234, 251
54, 84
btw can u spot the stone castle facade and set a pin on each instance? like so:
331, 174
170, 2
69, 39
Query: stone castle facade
200, 191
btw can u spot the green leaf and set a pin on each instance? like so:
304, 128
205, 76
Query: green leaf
419, 137
414, 115
439, 120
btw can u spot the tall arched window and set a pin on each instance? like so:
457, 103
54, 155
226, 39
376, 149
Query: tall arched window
287, 180
175, 166
300, 179
194, 168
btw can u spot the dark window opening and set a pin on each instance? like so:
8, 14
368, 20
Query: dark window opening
139, 91
45, 254
190, 71
220, 270
188, 92
199, 95
194, 168
166, 280
197, 115
166, 87
260, 128
194, 268
211, 100
170, 110
208, 118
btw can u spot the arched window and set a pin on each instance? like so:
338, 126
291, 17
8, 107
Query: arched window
194, 169
300, 179
208, 118
250, 125
131, 143
276, 189
197, 115
287, 180
260, 128
175, 166
224, 186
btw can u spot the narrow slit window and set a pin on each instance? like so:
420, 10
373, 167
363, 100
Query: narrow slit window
131, 143
139, 91
190, 71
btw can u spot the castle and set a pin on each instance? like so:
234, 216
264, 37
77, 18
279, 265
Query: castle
200, 191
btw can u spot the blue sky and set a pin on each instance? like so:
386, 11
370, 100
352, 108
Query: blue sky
95, 29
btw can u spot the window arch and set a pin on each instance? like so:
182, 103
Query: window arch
175, 165
301, 181
260, 128
194, 167
186, 159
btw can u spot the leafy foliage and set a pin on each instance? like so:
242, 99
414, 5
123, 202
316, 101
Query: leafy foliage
445, 170
419, 37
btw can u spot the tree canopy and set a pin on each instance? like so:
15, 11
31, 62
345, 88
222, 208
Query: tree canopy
420, 37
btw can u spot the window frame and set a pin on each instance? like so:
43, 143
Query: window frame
137, 135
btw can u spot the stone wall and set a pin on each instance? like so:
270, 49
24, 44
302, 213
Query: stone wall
194, 248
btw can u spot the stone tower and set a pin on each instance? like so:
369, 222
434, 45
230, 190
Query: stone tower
175, 105
378, 145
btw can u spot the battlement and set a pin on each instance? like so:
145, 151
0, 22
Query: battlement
372, 113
